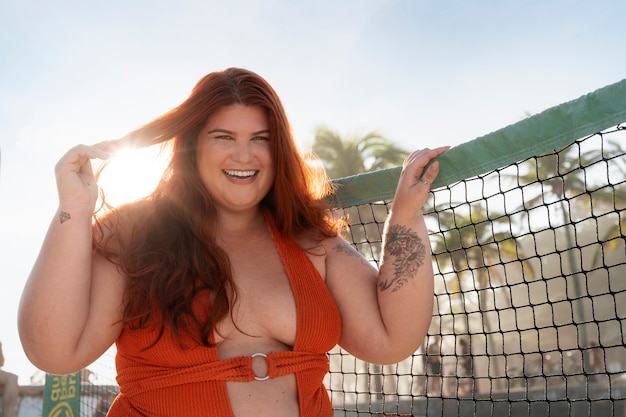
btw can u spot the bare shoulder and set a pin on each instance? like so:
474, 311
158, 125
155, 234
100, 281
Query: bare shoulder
327, 246
330, 254
343, 261
337, 246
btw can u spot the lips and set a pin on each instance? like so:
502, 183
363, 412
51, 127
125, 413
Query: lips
240, 175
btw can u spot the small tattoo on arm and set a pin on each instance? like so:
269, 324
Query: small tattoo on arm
64, 216
350, 251
408, 253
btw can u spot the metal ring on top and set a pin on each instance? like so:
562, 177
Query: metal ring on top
261, 378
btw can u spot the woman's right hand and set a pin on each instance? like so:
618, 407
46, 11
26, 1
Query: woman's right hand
76, 183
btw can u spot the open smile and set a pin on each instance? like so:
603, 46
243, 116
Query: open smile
240, 175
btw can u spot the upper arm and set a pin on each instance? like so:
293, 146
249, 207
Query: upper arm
104, 319
352, 281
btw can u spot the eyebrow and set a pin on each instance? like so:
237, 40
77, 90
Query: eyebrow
221, 130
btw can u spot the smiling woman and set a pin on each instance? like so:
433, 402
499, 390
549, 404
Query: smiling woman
132, 173
225, 289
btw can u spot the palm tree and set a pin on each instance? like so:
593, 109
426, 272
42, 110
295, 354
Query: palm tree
353, 155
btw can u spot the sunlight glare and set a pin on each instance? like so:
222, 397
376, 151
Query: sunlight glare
132, 174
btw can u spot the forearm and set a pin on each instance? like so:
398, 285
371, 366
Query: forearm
386, 319
55, 302
405, 285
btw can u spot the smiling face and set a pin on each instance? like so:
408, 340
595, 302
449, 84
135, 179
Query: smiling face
234, 158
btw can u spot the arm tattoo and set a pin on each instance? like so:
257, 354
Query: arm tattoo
408, 251
64, 216
350, 251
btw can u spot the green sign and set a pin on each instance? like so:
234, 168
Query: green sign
61, 395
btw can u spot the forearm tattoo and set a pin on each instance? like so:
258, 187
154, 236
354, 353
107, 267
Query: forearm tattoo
408, 253
64, 216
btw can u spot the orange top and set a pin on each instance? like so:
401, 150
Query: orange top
168, 380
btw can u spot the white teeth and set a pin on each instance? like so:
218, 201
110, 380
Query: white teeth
240, 174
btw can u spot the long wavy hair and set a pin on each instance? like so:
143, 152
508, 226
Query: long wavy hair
165, 243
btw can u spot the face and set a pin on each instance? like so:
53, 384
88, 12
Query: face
234, 158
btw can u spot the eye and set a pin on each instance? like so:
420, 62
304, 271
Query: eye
261, 138
223, 137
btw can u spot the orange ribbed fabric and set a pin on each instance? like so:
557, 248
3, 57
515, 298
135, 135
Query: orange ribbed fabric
168, 381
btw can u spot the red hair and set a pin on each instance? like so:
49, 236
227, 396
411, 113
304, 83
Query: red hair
165, 245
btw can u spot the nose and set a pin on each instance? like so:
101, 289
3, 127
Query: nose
242, 152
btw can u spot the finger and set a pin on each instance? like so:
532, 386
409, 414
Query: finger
430, 174
103, 150
77, 161
84, 152
427, 169
415, 156
418, 163
110, 147
423, 156
86, 168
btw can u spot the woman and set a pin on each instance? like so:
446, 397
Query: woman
226, 287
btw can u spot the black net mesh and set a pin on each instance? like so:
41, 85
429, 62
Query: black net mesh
530, 294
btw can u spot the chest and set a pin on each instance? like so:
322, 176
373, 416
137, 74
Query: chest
280, 294
264, 307
271, 311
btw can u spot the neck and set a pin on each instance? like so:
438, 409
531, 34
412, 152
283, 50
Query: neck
240, 223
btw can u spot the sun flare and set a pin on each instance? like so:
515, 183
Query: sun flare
132, 174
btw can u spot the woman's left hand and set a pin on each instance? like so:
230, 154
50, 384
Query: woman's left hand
418, 173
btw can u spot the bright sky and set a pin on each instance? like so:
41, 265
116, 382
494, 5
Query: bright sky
424, 73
